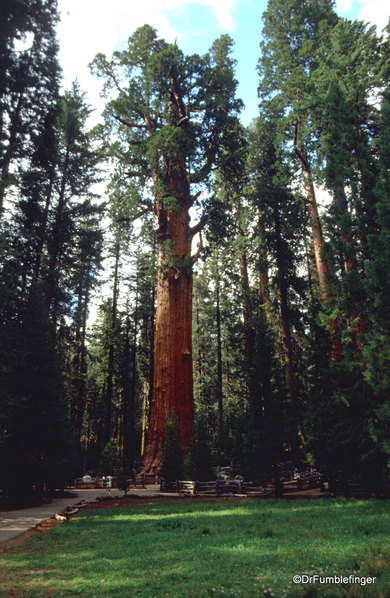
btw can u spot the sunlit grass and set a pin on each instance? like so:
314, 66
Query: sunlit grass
230, 549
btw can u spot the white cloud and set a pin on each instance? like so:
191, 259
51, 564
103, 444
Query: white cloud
88, 27
376, 12
343, 6
91, 26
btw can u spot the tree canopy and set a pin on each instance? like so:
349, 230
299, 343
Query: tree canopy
236, 321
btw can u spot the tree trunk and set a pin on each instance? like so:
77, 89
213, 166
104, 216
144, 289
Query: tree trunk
111, 353
172, 381
42, 235
249, 332
358, 324
318, 240
219, 368
287, 341
78, 399
200, 356
151, 354
131, 407
13, 145
56, 243
125, 440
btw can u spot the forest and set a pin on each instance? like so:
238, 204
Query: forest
173, 296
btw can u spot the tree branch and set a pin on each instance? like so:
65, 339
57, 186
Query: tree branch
128, 123
137, 215
195, 257
195, 197
198, 227
182, 120
300, 155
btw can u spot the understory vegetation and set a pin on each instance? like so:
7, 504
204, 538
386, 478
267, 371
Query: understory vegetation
217, 549
171, 272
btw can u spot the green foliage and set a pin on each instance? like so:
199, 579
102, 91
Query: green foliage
337, 424
218, 272
180, 263
171, 464
376, 351
260, 436
29, 84
36, 443
293, 32
198, 463
161, 139
122, 481
109, 461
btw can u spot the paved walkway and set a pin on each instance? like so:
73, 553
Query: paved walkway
14, 523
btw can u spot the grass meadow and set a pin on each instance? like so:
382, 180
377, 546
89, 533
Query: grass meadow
225, 548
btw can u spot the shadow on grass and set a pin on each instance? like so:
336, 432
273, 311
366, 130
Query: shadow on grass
208, 549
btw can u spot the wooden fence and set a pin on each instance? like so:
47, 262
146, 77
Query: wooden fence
138, 481
234, 486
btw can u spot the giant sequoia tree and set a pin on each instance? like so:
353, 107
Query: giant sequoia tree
293, 32
168, 121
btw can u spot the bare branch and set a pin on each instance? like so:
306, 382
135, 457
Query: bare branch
137, 215
195, 257
302, 158
182, 120
198, 227
131, 173
195, 197
300, 155
128, 123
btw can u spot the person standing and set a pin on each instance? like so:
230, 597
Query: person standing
108, 484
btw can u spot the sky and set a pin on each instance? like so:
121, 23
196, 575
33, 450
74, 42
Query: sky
88, 27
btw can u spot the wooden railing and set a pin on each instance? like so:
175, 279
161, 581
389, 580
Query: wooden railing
234, 486
212, 487
138, 481
305, 481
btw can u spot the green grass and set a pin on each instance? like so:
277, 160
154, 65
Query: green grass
207, 549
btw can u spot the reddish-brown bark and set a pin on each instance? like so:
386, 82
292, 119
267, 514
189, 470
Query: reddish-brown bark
173, 380
176, 92
318, 240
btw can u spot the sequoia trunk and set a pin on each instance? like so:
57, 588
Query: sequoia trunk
321, 265
172, 381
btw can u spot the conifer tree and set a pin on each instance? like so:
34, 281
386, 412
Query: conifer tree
260, 432
170, 115
350, 70
293, 31
73, 202
198, 464
29, 81
220, 375
280, 220
376, 351
172, 465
